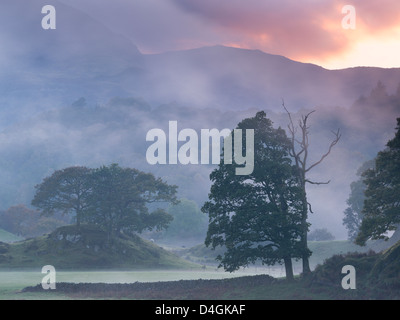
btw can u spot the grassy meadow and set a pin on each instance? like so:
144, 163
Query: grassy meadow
12, 282
6, 236
203, 266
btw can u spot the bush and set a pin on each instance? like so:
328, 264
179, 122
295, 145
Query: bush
320, 235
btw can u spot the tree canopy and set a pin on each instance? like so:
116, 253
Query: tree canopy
120, 196
115, 198
382, 202
65, 191
257, 216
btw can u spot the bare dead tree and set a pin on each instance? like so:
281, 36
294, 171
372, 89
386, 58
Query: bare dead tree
299, 152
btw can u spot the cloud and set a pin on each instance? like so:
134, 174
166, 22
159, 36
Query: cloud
289, 28
306, 29
153, 25
378, 16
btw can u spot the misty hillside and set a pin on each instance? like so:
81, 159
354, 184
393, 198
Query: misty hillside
95, 135
43, 69
83, 95
231, 78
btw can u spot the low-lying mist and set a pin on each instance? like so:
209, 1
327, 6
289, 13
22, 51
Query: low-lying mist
95, 135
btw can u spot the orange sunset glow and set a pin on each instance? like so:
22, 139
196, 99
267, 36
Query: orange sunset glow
308, 31
315, 33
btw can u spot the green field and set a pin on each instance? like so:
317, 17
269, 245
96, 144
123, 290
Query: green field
12, 282
8, 237
321, 250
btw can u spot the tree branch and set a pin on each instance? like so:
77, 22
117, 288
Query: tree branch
292, 130
333, 143
317, 183
309, 207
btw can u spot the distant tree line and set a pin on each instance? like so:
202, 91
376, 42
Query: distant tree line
27, 223
353, 214
320, 235
189, 221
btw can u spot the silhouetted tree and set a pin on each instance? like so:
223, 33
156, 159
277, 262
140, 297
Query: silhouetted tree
113, 197
119, 198
257, 216
382, 201
299, 149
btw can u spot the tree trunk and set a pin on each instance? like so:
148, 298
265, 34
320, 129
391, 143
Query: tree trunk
305, 257
288, 268
300, 157
78, 219
304, 227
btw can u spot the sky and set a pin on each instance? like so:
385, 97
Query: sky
324, 32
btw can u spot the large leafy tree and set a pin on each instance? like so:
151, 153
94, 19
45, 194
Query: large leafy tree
115, 198
257, 216
382, 195
120, 197
65, 191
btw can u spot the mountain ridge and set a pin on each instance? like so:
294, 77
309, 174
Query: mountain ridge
83, 57
241, 78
